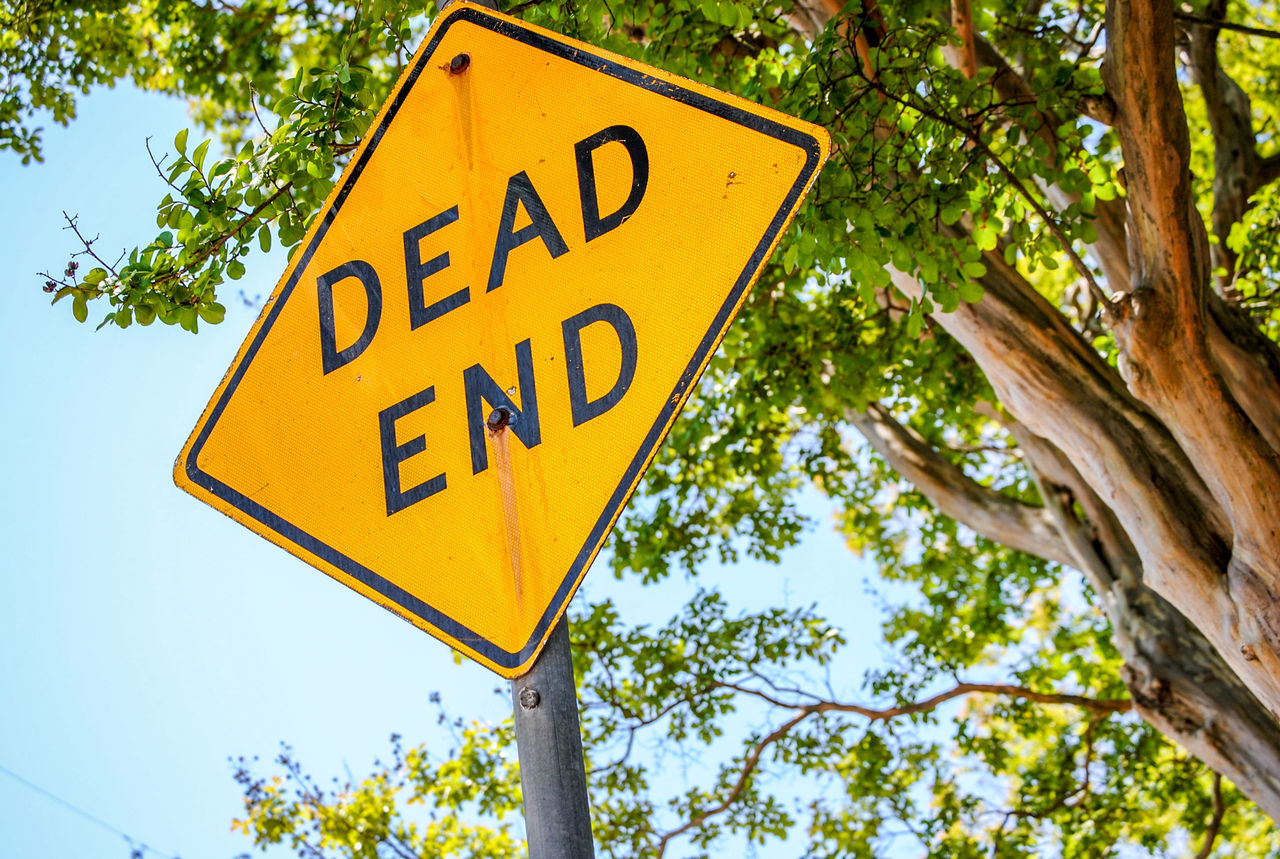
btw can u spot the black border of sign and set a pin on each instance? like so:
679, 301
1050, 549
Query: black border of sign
369, 578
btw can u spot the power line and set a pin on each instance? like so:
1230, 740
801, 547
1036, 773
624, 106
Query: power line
134, 843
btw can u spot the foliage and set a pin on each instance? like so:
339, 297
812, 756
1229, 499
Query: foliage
1001, 771
363, 819
1003, 722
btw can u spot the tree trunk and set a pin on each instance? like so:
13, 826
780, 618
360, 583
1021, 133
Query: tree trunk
1175, 460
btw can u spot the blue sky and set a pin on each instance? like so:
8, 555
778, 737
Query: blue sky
144, 637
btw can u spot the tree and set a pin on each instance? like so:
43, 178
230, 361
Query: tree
1038, 279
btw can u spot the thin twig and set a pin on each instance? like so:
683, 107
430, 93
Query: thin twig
1215, 824
1226, 25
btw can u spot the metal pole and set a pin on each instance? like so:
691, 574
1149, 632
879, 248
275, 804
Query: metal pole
552, 771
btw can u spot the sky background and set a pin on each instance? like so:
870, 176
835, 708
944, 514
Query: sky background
144, 637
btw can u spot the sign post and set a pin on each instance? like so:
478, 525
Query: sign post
549, 740
486, 335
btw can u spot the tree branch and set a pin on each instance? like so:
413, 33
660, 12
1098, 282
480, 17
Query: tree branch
1235, 156
995, 516
1103, 706
1169, 245
966, 57
1165, 358
1268, 171
1051, 380
1110, 248
1215, 824
1249, 363
1178, 679
808, 17
1218, 24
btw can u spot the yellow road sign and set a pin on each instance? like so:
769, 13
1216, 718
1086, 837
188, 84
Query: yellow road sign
531, 225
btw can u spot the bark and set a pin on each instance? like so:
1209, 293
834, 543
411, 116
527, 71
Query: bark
1178, 681
1174, 459
1051, 381
964, 56
1162, 333
1005, 520
1249, 364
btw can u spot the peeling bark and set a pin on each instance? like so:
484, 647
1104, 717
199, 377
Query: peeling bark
1179, 682
1175, 459
1249, 364
1053, 383
1161, 331
993, 515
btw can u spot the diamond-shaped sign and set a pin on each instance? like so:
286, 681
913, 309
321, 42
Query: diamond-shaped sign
533, 230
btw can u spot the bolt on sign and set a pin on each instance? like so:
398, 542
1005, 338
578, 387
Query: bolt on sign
492, 324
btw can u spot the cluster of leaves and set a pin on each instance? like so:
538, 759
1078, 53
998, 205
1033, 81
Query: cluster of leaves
48, 56
940, 167
921, 145
463, 802
1256, 241
290, 95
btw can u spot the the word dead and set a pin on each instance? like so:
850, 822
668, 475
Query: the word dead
480, 387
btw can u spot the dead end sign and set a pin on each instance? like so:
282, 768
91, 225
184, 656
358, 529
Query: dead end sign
534, 227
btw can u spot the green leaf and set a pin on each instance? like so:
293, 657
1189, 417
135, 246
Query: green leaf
212, 313
867, 291
984, 236
180, 142
264, 238
970, 291
948, 299
80, 307
235, 269
915, 319
197, 157
145, 314
789, 258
